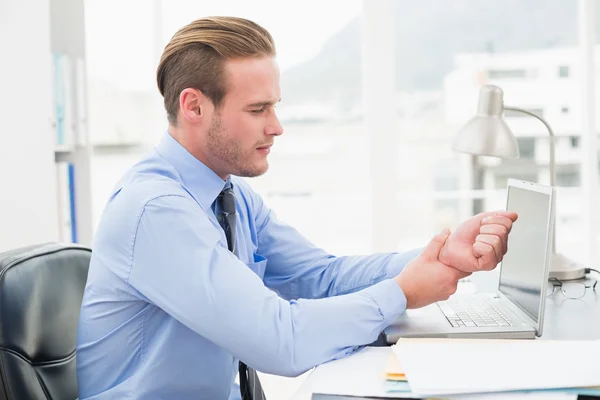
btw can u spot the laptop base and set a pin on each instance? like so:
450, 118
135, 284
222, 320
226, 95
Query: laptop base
430, 322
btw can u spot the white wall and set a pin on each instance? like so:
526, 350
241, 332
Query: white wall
27, 173
378, 83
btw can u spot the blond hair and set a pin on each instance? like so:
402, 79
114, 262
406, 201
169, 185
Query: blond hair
195, 56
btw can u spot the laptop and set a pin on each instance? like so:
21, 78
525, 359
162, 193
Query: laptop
516, 309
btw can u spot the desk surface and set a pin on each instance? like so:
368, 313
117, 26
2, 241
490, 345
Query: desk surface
573, 319
565, 319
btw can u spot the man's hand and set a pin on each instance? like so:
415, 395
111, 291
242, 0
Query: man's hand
425, 280
479, 243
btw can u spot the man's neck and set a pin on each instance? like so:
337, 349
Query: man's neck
186, 139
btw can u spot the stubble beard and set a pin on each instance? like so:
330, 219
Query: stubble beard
229, 152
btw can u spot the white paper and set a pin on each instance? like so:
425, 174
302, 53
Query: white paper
361, 374
456, 366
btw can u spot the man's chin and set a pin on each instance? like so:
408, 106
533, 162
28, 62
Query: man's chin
253, 172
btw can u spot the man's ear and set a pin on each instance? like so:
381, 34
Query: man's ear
193, 105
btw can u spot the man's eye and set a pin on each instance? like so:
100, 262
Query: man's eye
257, 111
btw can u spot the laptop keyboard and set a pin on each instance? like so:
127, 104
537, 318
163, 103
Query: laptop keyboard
472, 311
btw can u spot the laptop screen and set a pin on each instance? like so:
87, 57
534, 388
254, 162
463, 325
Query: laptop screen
523, 268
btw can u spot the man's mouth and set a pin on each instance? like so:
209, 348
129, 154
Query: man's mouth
265, 150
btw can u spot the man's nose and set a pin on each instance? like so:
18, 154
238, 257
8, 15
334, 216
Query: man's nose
274, 128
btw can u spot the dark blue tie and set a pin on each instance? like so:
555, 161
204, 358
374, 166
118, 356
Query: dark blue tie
250, 387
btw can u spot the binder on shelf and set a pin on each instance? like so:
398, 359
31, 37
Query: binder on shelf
65, 178
63, 101
81, 101
72, 203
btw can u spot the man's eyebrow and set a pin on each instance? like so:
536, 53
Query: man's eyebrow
264, 103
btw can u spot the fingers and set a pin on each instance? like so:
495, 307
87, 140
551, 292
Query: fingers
433, 248
498, 220
499, 231
492, 242
506, 214
495, 242
486, 256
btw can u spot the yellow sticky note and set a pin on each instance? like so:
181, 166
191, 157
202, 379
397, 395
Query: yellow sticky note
393, 369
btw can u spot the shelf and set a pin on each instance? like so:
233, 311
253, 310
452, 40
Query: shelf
119, 147
61, 149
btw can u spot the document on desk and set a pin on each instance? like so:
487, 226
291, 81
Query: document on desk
361, 374
460, 366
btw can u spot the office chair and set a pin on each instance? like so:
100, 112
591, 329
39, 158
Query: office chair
41, 288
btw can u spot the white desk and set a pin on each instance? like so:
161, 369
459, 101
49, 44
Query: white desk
362, 373
565, 319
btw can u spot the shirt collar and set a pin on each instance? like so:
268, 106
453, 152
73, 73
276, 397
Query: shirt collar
200, 180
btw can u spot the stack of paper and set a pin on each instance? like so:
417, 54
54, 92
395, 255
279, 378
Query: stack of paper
367, 373
395, 379
436, 367
360, 374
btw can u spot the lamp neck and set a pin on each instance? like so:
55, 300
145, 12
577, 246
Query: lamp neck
551, 144
551, 161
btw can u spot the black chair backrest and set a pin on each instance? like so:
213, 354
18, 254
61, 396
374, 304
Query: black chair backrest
41, 288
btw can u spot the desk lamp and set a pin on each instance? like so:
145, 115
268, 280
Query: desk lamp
487, 134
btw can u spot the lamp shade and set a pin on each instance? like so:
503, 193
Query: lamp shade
487, 134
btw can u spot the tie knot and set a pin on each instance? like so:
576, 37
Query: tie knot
227, 201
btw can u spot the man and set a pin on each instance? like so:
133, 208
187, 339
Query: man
192, 272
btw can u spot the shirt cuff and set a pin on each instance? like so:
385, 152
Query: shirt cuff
399, 261
389, 298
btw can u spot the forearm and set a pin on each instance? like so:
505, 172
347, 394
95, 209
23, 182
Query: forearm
349, 274
334, 276
400, 261
298, 269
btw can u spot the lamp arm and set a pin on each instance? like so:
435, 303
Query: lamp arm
552, 163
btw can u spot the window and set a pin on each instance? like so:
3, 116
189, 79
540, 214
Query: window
447, 209
517, 114
568, 178
479, 53
324, 156
446, 176
574, 141
507, 73
526, 147
306, 173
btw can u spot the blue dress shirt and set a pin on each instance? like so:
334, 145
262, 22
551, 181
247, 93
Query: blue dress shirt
168, 311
